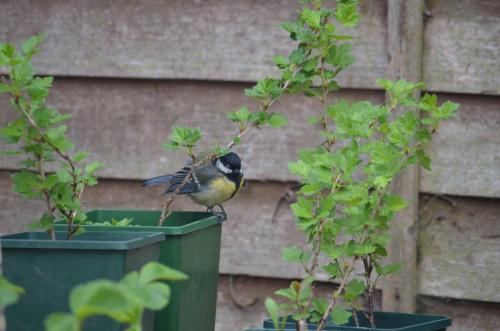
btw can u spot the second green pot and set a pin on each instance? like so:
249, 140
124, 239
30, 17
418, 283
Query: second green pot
192, 245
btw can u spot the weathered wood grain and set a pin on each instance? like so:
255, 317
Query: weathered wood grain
405, 29
459, 248
461, 46
465, 315
214, 40
465, 152
124, 123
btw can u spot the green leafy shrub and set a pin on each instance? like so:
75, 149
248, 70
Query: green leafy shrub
123, 301
344, 204
50, 167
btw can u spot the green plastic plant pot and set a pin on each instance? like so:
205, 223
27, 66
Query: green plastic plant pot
385, 321
49, 269
192, 246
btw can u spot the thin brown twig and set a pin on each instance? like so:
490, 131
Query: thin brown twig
342, 285
46, 194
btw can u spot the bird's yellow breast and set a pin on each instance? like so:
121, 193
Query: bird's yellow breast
219, 190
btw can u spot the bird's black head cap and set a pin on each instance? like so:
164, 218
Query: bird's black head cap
231, 160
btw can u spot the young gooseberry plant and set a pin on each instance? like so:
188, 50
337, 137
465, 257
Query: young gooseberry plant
50, 166
124, 301
298, 70
344, 206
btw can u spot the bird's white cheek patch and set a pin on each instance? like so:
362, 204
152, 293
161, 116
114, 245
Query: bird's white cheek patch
222, 167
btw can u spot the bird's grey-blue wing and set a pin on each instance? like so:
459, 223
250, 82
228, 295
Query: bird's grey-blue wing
174, 180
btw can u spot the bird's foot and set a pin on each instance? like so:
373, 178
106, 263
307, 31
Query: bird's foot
222, 214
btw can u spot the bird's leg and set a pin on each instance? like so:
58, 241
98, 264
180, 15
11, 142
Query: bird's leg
210, 209
222, 213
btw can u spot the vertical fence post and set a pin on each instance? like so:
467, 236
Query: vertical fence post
404, 39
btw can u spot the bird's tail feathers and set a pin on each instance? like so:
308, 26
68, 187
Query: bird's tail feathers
165, 179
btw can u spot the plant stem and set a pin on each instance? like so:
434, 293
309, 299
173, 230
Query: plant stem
342, 285
50, 209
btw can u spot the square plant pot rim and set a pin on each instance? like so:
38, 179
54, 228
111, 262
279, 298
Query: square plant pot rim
440, 321
166, 229
97, 240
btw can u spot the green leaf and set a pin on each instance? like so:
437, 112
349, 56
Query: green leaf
61, 322
387, 269
80, 156
13, 132
381, 181
394, 203
9, 293
22, 73
295, 254
447, 110
333, 270
27, 184
38, 88
93, 167
221, 150
289, 27
288, 293
6, 88
354, 289
64, 176
311, 17
297, 56
299, 168
154, 271
340, 315
155, 296
277, 120
347, 14
303, 208
423, 159
340, 56
280, 61
29, 47
265, 89
242, 115
183, 136
101, 297
273, 311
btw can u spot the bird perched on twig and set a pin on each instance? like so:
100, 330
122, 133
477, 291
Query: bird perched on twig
212, 182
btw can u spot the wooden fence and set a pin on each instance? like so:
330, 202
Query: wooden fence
129, 70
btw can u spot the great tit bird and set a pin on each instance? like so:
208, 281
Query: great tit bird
212, 182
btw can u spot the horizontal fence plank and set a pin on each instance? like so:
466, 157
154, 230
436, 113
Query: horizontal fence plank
465, 152
252, 240
465, 315
232, 40
459, 248
461, 46
124, 123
